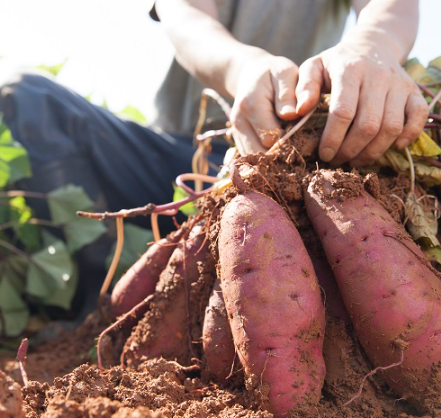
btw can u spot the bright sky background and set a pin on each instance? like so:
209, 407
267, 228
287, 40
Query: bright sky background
113, 49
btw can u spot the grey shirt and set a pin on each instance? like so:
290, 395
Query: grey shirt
297, 29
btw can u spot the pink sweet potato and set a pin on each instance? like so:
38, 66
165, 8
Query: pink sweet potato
273, 303
390, 290
217, 340
165, 329
140, 280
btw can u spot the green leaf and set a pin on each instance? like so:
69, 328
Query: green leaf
418, 72
5, 135
16, 322
14, 161
38, 283
82, 231
434, 69
55, 261
4, 210
188, 209
65, 201
48, 238
3, 127
63, 297
53, 69
15, 268
134, 114
27, 233
135, 244
13, 309
9, 298
20, 211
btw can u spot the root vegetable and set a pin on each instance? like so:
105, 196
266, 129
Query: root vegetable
217, 340
273, 303
141, 279
390, 290
165, 329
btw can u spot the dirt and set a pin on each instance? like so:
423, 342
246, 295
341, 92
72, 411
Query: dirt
65, 380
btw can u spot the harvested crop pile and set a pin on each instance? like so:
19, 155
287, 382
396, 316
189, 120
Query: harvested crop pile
296, 291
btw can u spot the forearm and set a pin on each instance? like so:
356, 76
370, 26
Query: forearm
390, 25
204, 47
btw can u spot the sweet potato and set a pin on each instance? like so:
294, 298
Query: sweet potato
140, 280
273, 303
165, 329
390, 290
217, 340
346, 364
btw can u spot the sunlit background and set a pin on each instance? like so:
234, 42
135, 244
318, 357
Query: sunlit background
113, 50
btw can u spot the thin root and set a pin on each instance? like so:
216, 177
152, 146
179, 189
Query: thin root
113, 265
371, 373
21, 358
132, 313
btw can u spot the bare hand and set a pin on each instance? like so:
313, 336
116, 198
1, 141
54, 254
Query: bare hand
373, 104
266, 91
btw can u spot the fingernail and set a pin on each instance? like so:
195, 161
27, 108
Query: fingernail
302, 99
327, 154
288, 108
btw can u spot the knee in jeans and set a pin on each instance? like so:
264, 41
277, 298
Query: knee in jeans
22, 101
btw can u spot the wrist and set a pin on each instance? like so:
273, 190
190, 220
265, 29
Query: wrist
376, 42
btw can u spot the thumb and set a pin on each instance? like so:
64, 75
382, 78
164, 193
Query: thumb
309, 85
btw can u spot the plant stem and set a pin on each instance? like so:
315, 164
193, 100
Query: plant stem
192, 177
3, 324
431, 161
435, 100
14, 249
426, 90
292, 131
31, 221
210, 134
23, 193
166, 209
435, 116
412, 170
21, 358
113, 265
155, 227
224, 105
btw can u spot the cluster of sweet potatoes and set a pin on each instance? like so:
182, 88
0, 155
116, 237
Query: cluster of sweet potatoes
256, 302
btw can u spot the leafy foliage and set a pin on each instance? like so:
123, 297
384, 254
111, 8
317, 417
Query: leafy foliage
36, 268
52, 69
133, 114
14, 164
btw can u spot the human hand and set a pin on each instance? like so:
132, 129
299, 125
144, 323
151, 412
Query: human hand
373, 103
265, 91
